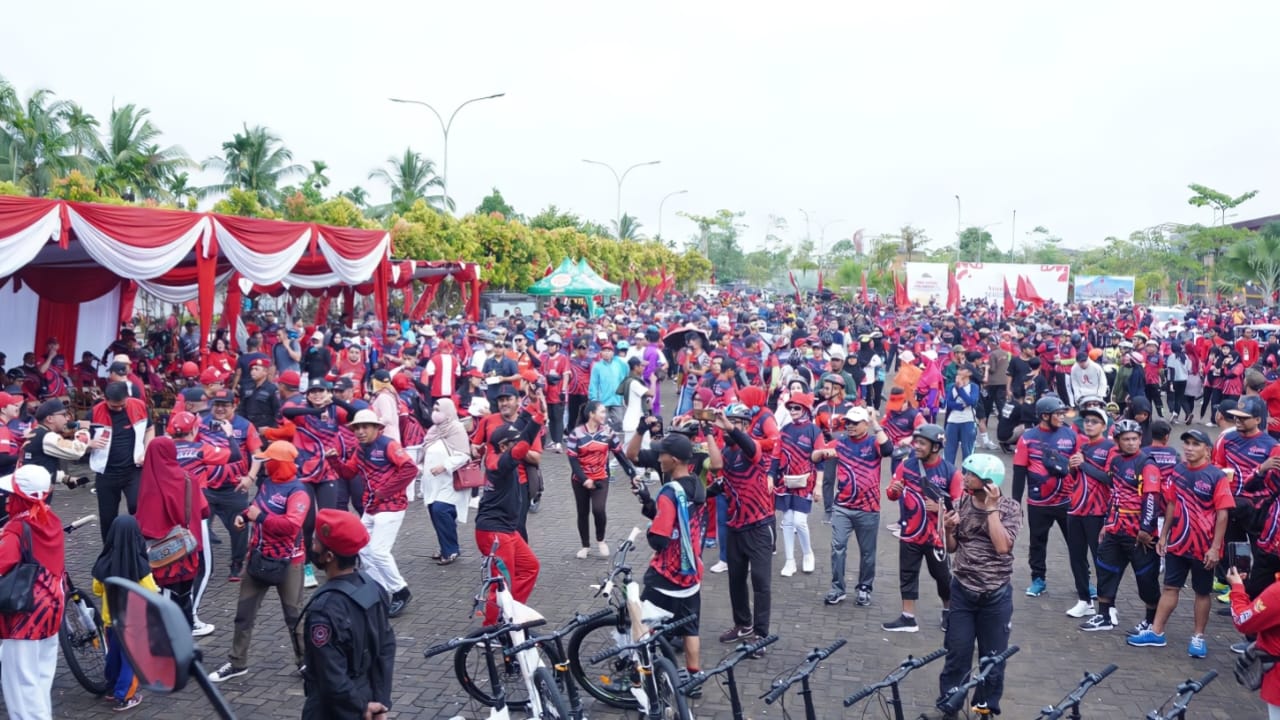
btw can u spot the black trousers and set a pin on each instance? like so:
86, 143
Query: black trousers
986, 618
324, 495
910, 556
749, 553
112, 485
1082, 541
591, 503
555, 422
1115, 553
349, 492
1040, 520
225, 504
575, 409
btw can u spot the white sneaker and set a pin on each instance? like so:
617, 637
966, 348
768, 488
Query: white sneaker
474, 503
789, 568
1081, 609
1115, 617
720, 567
603, 547
200, 629
226, 672
807, 563
583, 553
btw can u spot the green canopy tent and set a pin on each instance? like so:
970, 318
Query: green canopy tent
575, 280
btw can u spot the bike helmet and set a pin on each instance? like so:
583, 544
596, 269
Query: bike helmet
688, 427
933, 433
1126, 426
738, 411
1085, 401
987, 468
1048, 405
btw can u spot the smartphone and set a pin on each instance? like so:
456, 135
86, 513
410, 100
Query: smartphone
1240, 556
704, 414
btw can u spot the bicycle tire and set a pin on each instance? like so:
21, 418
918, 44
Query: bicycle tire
472, 671
554, 706
84, 642
609, 681
666, 680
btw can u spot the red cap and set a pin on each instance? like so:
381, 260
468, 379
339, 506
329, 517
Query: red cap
190, 369
280, 450
259, 362
341, 531
182, 423
290, 378
210, 376
401, 381
6, 399
473, 372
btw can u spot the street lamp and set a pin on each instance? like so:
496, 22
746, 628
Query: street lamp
663, 202
620, 178
444, 127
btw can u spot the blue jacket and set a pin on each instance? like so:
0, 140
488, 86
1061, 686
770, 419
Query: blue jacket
961, 397
605, 379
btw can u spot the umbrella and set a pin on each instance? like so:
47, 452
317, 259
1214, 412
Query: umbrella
678, 338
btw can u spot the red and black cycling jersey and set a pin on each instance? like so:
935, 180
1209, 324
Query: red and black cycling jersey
243, 442
793, 455
1195, 494
858, 462
199, 459
591, 450
665, 567
1135, 493
387, 470
1244, 453
830, 417
919, 526
900, 424
278, 528
1165, 458
579, 376
1089, 494
746, 483
1043, 489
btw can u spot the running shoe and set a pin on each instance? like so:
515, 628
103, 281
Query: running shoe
1037, 587
1147, 638
1197, 647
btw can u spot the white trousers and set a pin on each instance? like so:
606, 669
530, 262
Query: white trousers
376, 557
206, 569
27, 680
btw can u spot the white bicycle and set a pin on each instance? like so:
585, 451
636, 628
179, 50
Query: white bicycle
487, 669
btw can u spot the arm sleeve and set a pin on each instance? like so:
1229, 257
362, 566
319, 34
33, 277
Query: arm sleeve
744, 441
327, 663
295, 411
290, 521
1255, 616
576, 468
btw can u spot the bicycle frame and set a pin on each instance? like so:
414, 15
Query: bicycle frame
801, 675
576, 711
642, 652
518, 615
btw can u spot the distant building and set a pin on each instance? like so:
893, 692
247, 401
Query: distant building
1256, 224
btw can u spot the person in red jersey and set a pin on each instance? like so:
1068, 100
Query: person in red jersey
1197, 500
794, 479
1260, 616
1038, 464
1090, 489
588, 448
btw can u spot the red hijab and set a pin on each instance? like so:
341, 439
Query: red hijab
163, 490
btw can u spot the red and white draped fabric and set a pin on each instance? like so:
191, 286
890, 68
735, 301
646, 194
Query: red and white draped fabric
136, 243
26, 225
353, 254
179, 285
263, 252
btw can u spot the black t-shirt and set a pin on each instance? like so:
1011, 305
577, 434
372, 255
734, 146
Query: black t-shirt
123, 437
316, 362
1019, 370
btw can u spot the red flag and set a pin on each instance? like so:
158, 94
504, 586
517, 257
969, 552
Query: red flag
900, 299
1027, 292
819, 281
1009, 306
548, 271
953, 292
1181, 296
792, 275
626, 290
864, 286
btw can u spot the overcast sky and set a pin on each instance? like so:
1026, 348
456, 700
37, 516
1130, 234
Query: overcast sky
1088, 118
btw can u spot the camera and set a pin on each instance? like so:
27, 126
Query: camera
73, 425
1240, 556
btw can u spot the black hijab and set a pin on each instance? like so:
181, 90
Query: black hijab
124, 553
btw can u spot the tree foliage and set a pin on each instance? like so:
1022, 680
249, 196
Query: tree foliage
495, 203
1254, 260
1220, 202
717, 238
256, 161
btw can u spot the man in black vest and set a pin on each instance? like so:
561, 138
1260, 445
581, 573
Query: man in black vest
47, 446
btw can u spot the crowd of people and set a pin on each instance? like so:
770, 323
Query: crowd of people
307, 444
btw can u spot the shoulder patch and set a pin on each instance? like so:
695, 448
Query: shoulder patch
320, 635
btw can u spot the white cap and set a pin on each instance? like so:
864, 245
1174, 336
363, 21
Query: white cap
906, 356
929, 355
122, 358
836, 351
317, 335
31, 481
365, 417
554, 338
428, 331
857, 414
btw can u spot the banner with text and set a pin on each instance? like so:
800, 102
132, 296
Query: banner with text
1104, 287
1027, 283
927, 281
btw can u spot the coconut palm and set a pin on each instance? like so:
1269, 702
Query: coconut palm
411, 177
254, 160
628, 230
35, 147
357, 195
1254, 260
182, 191
130, 161
82, 127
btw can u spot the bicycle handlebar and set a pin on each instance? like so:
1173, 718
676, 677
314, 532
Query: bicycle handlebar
79, 523
734, 657
1182, 695
802, 671
955, 696
898, 675
649, 638
493, 632
574, 623
1055, 712
619, 566
1195, 686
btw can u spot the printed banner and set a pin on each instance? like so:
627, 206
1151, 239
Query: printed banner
926, 282
1104, 287
1033, 283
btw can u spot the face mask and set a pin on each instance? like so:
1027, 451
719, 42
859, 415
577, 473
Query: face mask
437, 417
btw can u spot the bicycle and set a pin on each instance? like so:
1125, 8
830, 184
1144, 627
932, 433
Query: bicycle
611, 684
954, 698
726, 666
542, 698
656, 682
1181, 697
801, 675
81, 634
1072, 701
564, 678
892, 680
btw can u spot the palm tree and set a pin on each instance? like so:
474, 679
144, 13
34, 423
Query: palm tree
912, 240
130, 161
34, 142
181, 190
82, 127
628, 230
357, 195
411, 177
316, 179
254, 160
1255, 260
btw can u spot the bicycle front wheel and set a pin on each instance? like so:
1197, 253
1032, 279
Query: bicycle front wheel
553, 704
608, 681
83, 640
667, 701
472, 670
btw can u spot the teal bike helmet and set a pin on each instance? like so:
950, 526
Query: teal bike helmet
988, 468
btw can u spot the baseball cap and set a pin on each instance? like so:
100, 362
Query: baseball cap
318, 384
1249, 406
121, 358
190, 369
382, 375
6, 399
30, 481
836, 352
677, 446
182, 423
317, 335
118, 368
343, 383
210, 376
473, 372
506, 389
504, 433
280, 450
223, 396
1199, 436
50, 407
290, 378
857, 415
341, 531
193, 394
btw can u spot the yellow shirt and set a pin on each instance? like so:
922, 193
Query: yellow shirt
100, 590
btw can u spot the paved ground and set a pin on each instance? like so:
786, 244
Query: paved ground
1053, 653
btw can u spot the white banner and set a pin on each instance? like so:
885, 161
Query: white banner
987, 280
927, 281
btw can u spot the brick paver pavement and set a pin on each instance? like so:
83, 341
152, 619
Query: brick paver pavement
1054, 653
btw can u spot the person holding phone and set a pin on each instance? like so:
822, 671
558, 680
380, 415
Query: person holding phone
1197, 499
1259, 617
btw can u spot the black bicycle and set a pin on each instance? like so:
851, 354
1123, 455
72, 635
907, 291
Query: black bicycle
892, 680
553, 642
1181, 697
954, 698
801, 675
655, 684
735, 656
1071, 703
490, 641
82, 635
610, 681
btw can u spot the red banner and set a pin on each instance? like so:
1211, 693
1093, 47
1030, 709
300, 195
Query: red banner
1009, 306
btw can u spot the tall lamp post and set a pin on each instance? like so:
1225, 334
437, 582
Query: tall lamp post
663, 202
620, 178
444, 127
